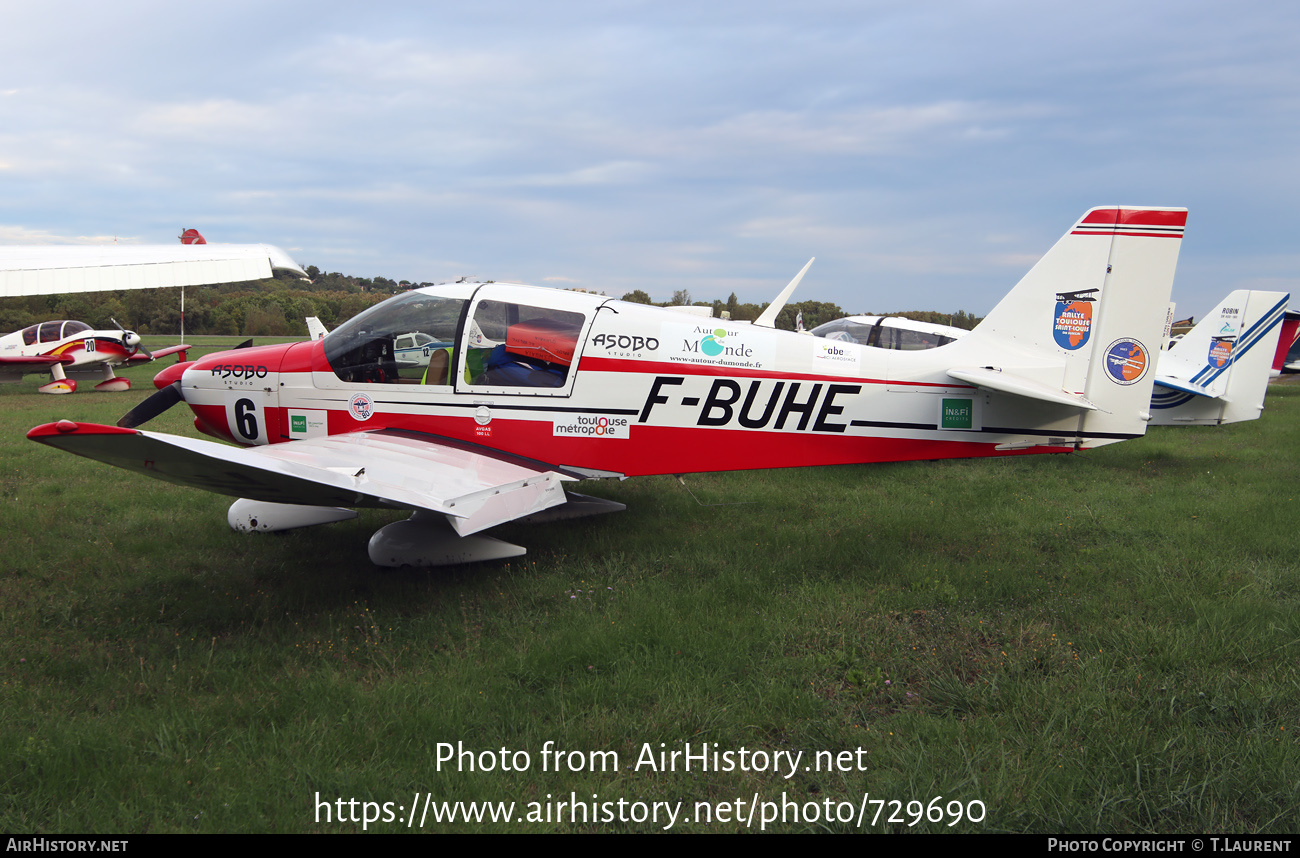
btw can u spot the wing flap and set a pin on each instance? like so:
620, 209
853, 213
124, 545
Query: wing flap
475, 490
1005, 382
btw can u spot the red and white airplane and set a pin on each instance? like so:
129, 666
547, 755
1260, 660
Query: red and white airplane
531, 388
66, 347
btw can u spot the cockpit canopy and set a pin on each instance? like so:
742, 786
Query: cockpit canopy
883, 332
414, 338
52, 332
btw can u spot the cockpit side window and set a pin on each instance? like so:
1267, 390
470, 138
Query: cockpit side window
517, 345
393, 342
30, 335
846, 330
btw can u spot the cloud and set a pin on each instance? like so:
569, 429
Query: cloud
12, 234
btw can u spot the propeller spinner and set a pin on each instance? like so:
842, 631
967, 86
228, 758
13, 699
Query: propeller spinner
131, 340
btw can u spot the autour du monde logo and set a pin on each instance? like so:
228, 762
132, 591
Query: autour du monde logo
714, 344
718, 343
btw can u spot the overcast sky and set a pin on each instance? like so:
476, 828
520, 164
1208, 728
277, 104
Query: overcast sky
925, 153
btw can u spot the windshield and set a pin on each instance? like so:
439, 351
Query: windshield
365, 348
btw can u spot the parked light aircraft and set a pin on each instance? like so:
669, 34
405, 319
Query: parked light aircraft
531, 388
1217, 373
67, 347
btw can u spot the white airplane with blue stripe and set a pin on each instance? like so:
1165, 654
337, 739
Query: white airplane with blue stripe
1218, 373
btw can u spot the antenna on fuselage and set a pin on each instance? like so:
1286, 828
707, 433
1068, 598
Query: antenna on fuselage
768, 318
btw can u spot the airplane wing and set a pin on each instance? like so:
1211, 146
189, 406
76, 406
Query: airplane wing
12, 369
33, 363
473, 487
55, 269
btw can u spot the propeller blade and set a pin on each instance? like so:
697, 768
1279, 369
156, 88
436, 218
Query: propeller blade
248, 343
131, 340
153, 406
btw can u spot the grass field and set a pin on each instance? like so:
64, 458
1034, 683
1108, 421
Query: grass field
1104, 642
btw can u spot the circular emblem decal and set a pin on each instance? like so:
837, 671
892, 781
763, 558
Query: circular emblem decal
361, 407
1126, 361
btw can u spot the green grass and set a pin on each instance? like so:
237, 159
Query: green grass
1103, 642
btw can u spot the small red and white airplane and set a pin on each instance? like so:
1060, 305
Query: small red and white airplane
67, 347
531, 388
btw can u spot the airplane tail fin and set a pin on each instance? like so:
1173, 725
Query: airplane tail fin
1083, 327
1290, 331
316, 328
1218, 373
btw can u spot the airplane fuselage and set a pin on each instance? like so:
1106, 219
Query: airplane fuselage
67, 339
644, 390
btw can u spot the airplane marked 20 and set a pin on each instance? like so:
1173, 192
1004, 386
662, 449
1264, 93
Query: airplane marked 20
66, 346
530, 388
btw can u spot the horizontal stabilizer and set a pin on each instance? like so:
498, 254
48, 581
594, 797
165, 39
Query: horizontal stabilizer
1172, 383
1005, 382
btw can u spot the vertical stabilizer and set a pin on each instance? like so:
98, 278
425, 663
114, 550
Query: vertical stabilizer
1290, 331
1218, 373
1088, 318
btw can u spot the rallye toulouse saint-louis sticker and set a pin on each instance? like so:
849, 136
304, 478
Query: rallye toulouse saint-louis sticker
1072, 322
